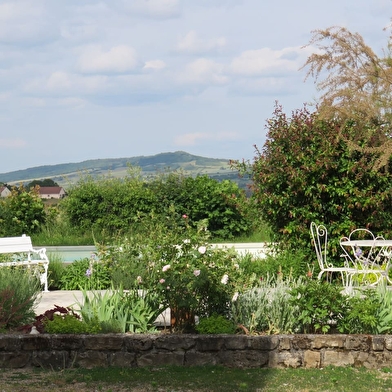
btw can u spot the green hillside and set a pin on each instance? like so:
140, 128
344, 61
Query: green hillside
68, 173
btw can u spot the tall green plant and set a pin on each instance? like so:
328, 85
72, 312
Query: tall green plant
306, 173
19, 290
22, 212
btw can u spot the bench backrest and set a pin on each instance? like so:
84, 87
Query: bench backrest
15, 244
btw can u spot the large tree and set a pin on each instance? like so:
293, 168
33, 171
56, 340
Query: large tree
305, 173
356, 88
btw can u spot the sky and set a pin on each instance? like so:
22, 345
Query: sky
83, 79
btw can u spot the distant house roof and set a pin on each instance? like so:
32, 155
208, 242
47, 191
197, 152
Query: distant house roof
4, 191
45, 191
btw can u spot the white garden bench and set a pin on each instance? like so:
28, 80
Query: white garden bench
23, 254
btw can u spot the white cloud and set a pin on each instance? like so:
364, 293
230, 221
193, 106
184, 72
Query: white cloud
203, 71
267, 61
13, 143
25, 21
154, 65
118, 59
191, 139
191, 43
154, 8
63, 83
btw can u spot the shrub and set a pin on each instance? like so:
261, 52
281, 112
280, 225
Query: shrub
180, 266
215, 324
320, 307
69, 324
267, 307
18, 292
22, 212
80, 275
306, 173
370, 312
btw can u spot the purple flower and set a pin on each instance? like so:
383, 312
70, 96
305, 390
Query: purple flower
88, 272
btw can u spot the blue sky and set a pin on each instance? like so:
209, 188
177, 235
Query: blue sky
121, 78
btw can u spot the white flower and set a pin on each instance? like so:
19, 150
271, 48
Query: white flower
196, 272
139, 279
187, 241
166, 267
235, 297
225, 279
202, 249
161, 281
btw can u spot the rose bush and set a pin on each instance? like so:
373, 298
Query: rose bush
189, 275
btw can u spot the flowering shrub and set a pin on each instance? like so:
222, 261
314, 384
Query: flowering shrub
189, 275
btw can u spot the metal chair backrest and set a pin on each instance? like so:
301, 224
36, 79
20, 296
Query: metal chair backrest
320, 242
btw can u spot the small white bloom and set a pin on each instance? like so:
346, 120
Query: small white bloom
235, 297
202, 249
166, 267
196, 272
161, 281
187, 241
225, 279
139, 279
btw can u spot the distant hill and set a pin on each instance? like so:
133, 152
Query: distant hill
68, 173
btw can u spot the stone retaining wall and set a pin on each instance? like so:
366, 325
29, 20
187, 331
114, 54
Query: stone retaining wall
240, 351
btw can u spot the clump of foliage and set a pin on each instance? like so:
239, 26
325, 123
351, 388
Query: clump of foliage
215, 324
305, 173
60, 320
115, 205
19, 290
55, 271
266, 307
119, 311
370, 312
22, 212
85, 273
321, 307
187, 273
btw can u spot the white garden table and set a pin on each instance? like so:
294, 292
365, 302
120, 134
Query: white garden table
369, 257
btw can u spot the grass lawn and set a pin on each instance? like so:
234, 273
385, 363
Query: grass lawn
197, 379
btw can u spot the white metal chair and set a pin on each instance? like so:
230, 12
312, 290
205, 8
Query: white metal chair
320, 241
366, 260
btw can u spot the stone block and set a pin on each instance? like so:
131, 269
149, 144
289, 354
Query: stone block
103, 342
122, 359
15, 359
244, 358
194, 358
328, 341
168, 358
388, 342
312, 359
301, 342
55, 360
175, 342
263, 342
210, 343
67, 342
91, 359
337, 358
285, 342
378, 343
284, 359
137, 343
10, 343
236, 342
36, 342
357, 342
